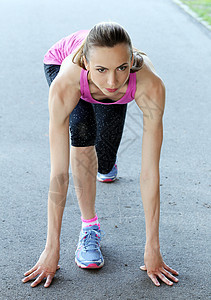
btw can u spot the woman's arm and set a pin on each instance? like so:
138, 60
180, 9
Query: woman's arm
62, 100
153, 109
152, 103
59, 152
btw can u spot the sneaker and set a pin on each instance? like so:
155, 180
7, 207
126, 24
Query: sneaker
111, 176
88, 254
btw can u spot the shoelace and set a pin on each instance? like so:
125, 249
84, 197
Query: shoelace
91, 239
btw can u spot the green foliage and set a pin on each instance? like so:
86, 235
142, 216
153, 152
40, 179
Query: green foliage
201, 7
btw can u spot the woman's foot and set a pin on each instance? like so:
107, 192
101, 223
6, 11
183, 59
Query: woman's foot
88, 254
111, 176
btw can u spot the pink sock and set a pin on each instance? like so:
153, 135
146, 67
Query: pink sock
90, 222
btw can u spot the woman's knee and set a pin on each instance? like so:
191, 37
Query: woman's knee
51, 71
83, 134
83, 127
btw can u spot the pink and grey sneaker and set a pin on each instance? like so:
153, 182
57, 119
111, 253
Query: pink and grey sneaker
88, 254
109, 177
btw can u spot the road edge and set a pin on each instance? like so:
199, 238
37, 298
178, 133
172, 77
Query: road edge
192, 14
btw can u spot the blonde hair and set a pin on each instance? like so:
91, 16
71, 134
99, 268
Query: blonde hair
107, 34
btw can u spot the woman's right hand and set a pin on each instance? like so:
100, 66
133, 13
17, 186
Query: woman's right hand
45, 267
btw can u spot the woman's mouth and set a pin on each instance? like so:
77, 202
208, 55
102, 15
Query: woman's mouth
111, 90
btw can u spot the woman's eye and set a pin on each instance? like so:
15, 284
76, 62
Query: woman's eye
101, 70
122, 68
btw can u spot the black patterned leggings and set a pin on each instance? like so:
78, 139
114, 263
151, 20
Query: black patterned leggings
95, 124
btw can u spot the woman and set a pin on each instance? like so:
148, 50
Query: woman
100, 67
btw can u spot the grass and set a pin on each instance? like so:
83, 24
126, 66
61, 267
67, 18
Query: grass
201, 7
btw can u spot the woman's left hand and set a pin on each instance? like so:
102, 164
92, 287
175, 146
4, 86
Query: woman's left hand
156, 268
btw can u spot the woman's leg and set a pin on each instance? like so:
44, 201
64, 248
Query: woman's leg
110, 123
84, 168
83, 157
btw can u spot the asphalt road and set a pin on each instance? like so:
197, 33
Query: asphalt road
180, 50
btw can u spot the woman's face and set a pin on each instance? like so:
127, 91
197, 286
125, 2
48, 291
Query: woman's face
109, 68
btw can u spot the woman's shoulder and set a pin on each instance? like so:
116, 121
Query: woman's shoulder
147, 78
66, 86
150, 89
147, 72
69, 73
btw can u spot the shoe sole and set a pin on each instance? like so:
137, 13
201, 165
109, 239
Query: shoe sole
106, 180
90, 266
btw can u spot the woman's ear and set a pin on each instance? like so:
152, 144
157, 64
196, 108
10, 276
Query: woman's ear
85, 62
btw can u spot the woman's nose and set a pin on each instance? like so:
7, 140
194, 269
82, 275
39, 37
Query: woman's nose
111, 81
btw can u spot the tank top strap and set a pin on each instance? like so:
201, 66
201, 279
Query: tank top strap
84, 83
132, 87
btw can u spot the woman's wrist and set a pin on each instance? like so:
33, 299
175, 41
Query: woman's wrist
52, 244
152, 242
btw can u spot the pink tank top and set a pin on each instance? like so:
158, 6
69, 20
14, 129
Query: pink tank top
66, 46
